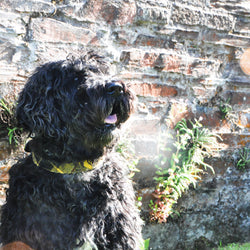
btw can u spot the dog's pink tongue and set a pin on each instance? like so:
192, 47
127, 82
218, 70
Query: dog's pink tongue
111, 119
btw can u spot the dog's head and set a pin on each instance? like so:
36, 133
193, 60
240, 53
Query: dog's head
71, 107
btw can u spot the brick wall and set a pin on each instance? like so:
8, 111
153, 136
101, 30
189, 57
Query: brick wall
182, 59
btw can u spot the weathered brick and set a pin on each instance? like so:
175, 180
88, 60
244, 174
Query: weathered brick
232, 5
118, 12
170, 63
218, 21
242, 26
50, 30
199, 17
82, 11
153, 11
176, 113
158, 107
209, 118
239, 98
187, 65
186, 34
234, 141
146, 89
151, 41
244, 120
225, 39
121, 37
138, 58
182, 15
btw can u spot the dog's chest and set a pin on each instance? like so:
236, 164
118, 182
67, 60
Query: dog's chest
84, 192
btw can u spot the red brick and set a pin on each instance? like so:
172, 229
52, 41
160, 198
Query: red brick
233, 141
149, 59
169, 62
92, 10
146, 89
50, 30
118, 13
240, 98
156, 42
121, 37
244, 120
177, 112
138, 58
225, 38
156, 107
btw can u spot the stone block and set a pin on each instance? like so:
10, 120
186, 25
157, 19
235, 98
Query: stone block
145, 126
146, 147
11, 24
29, 6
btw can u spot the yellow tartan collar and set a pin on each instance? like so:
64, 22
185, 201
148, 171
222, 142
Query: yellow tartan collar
65, 168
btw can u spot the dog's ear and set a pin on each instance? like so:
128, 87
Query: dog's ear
39, 108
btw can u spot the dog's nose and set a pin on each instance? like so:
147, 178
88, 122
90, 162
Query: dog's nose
114, 88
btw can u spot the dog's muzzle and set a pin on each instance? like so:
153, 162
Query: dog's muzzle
115, 89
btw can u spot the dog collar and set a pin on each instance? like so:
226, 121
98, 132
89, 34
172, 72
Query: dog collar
65, 168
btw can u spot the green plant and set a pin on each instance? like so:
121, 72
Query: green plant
234, 246
8, 122
145, 245
244, 158
139, 202
192, 146
225, 108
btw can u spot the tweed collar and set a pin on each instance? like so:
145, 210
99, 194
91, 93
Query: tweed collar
65, 168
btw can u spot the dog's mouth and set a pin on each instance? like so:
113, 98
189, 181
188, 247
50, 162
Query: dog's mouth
111, 119
113, 116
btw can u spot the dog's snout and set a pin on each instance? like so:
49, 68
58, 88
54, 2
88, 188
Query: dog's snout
114, 88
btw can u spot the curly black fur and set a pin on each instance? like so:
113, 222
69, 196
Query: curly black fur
64, 106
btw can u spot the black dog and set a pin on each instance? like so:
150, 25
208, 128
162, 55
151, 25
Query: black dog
71, 191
